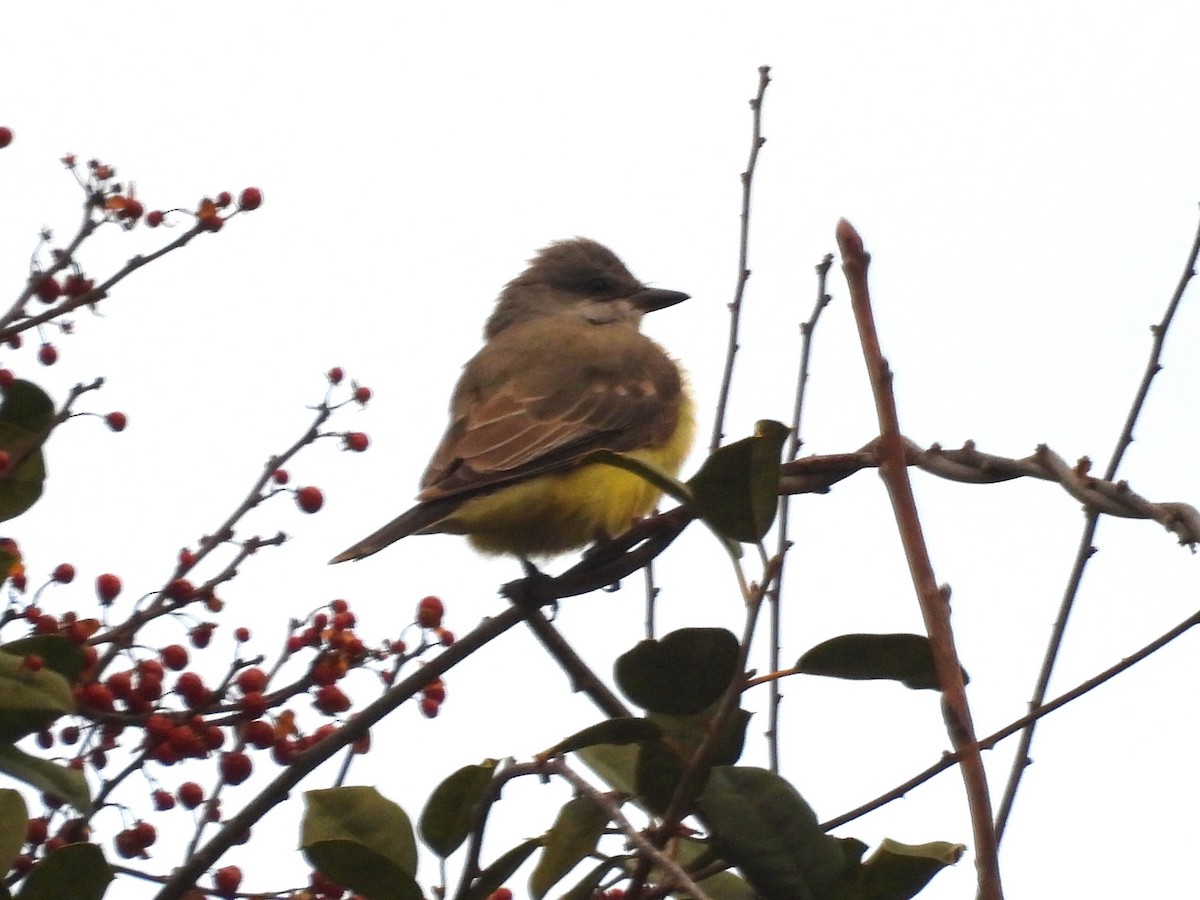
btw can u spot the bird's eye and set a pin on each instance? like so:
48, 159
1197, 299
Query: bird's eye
597, 284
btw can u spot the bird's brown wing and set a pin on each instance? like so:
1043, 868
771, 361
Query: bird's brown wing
519, 414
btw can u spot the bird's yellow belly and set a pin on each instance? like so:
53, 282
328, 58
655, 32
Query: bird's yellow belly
564, 511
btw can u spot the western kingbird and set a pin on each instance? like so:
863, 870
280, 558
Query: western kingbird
564, 371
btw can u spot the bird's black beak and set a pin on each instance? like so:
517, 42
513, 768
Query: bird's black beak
650, 299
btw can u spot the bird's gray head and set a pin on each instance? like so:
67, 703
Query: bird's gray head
577, 275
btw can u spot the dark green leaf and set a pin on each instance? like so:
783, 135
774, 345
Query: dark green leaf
660, 764
758, 822
26, 406
898, 871
736, 491
69, 784
60, 654
907, 658
446, 820
573, 836
685, 672
14, 824
25, 411
495, 875
77, 871
29, 701
692, 855
360, 839
625, 730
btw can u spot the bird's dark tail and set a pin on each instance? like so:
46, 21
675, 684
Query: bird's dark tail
421, 519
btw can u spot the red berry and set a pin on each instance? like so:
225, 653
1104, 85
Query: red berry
97, 696
309, 499
126, 844
236, 767
429, 612
64, 573
280, 476
252, 679
500, 894
116, 421
362, 394
212, 223
174, 657
241, 635
151, 667
45, 739
335, 375
7, 378
435, 691
331, 700
46, 624
445, 636
429, 708
47, 355
251, 198
121, 684
15, 342
6, 136
190, 686
201, 635
145, 833
162, 800
132, 210
186, 558
180, 589
356, 441
253, 704
37, 830
76, 286
259, 734
48, 289
227, 880
69, 735
154, 218
224, 199
108, 586
190, 794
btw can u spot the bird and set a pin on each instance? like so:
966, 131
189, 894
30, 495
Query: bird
564, 371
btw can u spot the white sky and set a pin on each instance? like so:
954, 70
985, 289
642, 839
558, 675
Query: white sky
1025, 178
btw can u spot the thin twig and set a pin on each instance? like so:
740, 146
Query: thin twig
934, 599
783, 544
1086, 548
987, 743
645, 849
735, 308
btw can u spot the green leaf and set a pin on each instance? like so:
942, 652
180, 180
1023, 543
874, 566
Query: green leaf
358, 838
660, 764
26, 406
495, 875
78, 871
624, 730
69, 784
736, 491
24, 413
14, 825
685, 672
29, 701
573, 836
759, 823
446, 820
907, 658
693, 854
898, 871
60, 654
615, 765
